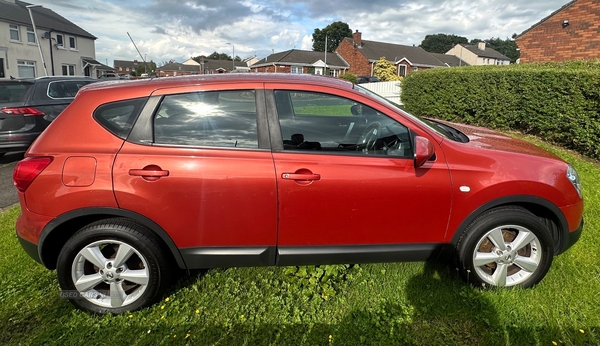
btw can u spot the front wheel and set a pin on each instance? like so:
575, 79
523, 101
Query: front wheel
112, 266
505, 246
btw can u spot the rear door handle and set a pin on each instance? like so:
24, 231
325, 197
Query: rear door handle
150, 172
297, 176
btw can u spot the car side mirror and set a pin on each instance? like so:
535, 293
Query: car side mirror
423, 151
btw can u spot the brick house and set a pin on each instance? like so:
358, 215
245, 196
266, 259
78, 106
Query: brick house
570, 33
302, 61
125, 66
362, 56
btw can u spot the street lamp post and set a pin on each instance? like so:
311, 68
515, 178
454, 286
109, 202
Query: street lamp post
232, 56
29, 7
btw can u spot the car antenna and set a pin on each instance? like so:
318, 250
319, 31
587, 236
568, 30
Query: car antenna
136, 48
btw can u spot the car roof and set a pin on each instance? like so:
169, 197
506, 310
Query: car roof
169, 82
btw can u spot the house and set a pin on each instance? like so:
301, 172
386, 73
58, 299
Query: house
478, 54
302, 61
124, 66
205, 66
362, 55
54, 47
449, 60
570, 33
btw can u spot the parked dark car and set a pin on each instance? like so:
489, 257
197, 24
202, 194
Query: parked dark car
367, 79
246, 169
27, 106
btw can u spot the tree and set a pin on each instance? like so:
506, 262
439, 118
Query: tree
507, 47
441, 43
141, 68
385, 70
216, 56
335, 33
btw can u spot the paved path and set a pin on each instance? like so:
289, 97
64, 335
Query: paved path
8, 193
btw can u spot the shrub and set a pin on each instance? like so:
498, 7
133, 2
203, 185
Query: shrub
559, 102
349, 77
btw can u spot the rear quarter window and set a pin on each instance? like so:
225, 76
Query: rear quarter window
119, 117
65, 89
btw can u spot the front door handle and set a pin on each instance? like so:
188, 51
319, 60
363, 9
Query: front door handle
150, 172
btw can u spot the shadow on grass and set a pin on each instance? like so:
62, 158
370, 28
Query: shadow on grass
439, 309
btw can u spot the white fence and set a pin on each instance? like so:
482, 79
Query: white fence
389, 90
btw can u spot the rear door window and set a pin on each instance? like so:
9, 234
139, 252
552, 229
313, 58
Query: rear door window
210, 118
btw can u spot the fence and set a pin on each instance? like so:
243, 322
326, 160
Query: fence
389, 90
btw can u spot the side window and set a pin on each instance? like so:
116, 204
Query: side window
332, 124
211, 118
119, 117
65, 89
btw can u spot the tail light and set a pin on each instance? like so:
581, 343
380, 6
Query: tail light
28, 169
24, 111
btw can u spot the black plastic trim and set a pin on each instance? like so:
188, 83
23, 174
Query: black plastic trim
142, 128
519, 200
30, 248
106, 212
309, 255
573, 237
226, 257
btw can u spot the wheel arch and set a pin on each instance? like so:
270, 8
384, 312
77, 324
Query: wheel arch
550, 214
59, 230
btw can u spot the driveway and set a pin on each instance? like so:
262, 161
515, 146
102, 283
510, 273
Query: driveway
8, 193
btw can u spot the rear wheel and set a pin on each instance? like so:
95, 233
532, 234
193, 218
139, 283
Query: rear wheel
506, 246
112, 266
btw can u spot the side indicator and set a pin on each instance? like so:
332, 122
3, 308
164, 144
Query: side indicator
464, 189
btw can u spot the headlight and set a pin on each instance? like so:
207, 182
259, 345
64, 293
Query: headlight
574, 179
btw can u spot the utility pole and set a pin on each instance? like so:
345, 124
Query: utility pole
29, 7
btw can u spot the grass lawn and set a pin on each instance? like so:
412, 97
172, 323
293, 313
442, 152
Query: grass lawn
378, 304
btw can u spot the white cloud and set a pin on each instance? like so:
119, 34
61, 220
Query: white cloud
165, 29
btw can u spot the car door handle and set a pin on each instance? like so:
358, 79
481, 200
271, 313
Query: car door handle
299, 176
150, 172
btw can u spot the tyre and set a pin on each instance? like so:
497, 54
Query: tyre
112, 266
505, 247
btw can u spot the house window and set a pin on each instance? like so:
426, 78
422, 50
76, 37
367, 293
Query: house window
26, 68
334, 73
415, 69
68, 70
60, 41
14, 33
402, 70
30, 35
296, 69
72, 43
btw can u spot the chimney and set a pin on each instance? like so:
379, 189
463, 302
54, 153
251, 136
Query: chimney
481, 45
357, 38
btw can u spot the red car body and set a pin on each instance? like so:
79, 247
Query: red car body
230, 206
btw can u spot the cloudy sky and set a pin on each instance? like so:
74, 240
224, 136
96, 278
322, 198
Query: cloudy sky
180, 29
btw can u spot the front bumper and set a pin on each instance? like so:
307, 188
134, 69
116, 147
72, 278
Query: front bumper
573, 237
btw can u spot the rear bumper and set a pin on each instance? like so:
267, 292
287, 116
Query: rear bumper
17, 142
31, 249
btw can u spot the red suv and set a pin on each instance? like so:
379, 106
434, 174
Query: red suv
135, 179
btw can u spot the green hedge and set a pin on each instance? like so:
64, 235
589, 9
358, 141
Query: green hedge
559, 102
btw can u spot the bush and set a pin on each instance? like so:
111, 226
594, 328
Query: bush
559, 102
349, 77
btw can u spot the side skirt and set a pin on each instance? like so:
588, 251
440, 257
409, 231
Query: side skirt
224, 257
